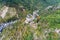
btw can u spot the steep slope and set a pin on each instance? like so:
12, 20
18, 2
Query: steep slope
48, 25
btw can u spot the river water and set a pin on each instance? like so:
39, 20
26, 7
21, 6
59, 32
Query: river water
4, 25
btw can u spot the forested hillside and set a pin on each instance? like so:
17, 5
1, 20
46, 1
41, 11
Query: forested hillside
29, 19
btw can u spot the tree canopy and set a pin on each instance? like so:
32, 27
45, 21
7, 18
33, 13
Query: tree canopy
30, 4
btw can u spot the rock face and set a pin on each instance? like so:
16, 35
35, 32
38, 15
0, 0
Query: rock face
11, 11
49, 7
57, 31
4, 11
30, 19
58, 7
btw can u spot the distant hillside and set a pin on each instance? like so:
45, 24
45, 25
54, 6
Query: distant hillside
31, 4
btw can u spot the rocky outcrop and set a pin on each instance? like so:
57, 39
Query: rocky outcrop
30, 19
4, 11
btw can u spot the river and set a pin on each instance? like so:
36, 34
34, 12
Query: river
4, 25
